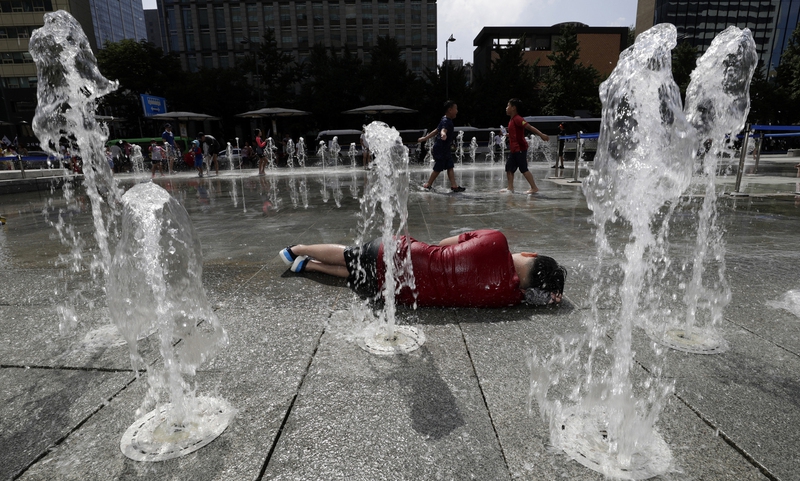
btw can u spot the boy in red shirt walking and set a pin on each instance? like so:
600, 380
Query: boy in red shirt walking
518, 159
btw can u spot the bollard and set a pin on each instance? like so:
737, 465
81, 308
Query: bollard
757, 152
741, 163
578, 154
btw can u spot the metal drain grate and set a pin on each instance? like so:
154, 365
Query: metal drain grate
151, 438
403, 340
692, 340
583, 438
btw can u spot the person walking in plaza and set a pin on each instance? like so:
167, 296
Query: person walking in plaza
169, 145
156, 158
474, 269
260, 145
198, 156
445, 135
210, 149
518, 158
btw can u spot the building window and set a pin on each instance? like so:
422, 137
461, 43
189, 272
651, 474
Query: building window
302, 41
286, 15
366, 13
333, 14
352, 39
252, 14
431, 39
286, 39
431, 14
219, 18
316, 12
336, 39
236, 17
350, 15
191, 61
222, 41
173, 42
269, 16
367, 38
223, 62
416, 37
186, 17
202, 18
400, 36
383, 12
205, 41
302, 16
208, 61
416, 13
189, 41
400, 14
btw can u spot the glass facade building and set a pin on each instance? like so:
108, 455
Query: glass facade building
772, 22
114, 20
214, 33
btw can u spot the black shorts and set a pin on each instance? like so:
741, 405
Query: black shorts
362, 267
442, 164
517, 160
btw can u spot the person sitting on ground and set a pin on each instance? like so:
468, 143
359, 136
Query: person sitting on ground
474, 269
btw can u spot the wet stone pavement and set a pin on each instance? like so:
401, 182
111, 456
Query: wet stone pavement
312, 405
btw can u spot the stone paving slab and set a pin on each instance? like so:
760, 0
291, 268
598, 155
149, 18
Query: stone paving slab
365, 417
30, 336
750, 393
505, 378
40, 407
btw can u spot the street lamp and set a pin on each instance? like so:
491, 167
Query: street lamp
257, 78
447, 67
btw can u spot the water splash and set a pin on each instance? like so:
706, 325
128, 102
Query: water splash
335, 150
790, 302
643, 164
137, 163
269, 152
351, 154
290, 151
717, 104
155, 282
460, 147
69, 86
490, 154
322, 153
473, 149
301, 152
384, 208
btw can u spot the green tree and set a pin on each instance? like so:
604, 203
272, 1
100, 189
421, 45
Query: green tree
568, 84
788, 80
684, 61
140, 68
439, 84
766, 99
388, 79
277, 71
332, 83
508, 77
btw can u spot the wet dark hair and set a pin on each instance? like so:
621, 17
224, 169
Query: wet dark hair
547, 275
517, 103
257, 132
448, 104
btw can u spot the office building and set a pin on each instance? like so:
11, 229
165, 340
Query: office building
102, 20
698, 22
214, 34
599, 46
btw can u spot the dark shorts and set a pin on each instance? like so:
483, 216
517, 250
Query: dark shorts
362, 267
444, 163
517, 160
198, 161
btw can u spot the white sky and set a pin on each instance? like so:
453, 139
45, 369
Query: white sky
464, 19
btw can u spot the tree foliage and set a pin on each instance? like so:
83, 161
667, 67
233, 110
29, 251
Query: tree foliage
569, 85
140, 68
509, 77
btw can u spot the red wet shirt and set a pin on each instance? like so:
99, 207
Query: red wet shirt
476, 272
516, 134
